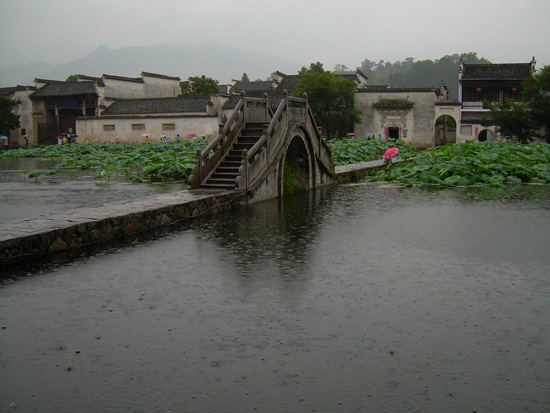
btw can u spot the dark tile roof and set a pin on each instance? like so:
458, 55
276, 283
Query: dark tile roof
7, 91
497, 71
234, 99
160, 76
157, 105
86, 77
386, 89
123, 78
383, 88
251, 86
63, 89
48, 80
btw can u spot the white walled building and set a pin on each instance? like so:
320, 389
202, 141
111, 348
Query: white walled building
128, 120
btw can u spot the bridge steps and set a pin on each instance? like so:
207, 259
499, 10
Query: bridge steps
226, 172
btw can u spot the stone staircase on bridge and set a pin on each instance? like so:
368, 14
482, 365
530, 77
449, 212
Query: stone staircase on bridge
225, 174
257, 142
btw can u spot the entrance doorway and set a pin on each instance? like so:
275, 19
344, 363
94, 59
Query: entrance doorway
393, 133
486, 135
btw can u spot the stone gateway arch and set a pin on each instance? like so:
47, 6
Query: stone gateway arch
266, 154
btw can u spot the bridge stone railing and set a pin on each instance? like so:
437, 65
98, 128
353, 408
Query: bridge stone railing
247, 110
260, 160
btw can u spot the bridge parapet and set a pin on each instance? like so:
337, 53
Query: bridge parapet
292, 113
250, 152
247, 110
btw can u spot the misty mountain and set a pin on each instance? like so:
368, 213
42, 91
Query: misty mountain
211, 59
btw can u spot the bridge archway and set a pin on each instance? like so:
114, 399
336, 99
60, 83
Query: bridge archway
296, 169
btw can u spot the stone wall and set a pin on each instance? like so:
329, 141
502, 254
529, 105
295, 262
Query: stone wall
415, 124
74, 229
157, 87
101, 129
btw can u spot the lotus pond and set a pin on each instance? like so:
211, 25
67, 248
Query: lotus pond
135, 163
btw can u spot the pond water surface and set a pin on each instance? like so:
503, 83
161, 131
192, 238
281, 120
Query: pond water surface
23, 197
358, 298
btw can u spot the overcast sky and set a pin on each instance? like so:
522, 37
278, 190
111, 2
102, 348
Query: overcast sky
332, 32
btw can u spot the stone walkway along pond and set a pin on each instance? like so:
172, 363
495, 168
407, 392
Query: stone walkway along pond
50, 233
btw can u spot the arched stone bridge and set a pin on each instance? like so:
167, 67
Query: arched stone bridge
258, 150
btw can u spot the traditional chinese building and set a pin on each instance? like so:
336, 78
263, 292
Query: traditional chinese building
480, 84
57, 104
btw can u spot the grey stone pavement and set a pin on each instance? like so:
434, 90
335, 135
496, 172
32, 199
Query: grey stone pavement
53, 221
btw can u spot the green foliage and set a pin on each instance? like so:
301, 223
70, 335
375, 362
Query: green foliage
331, 100
348, 151
8, 120
199, 86
245, 78
422, 73
73, 78
313, 67
342, 69
291, 182
514, 119
537, 93
138, 163
493, 164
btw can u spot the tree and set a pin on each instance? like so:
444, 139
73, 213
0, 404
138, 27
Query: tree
199, 86
422, 73
313, 67
514, 119
341, 69
73, 78
245, 78
8, 119
331, 100
537, 93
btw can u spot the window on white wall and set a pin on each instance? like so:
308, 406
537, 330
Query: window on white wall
466, 130
138, 126
168, 126
108, 128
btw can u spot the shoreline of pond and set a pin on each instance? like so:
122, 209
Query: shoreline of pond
58, 232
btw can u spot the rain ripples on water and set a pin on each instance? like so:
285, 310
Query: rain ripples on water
354, 298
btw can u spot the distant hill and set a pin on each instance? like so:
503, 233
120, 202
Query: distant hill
211, 59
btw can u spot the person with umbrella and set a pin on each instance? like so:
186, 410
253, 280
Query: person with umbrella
389, 154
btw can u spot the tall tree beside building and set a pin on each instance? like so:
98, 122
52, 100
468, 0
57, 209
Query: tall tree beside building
514, 119
331, 100
199, 86
245, 78
8, 119
537, 92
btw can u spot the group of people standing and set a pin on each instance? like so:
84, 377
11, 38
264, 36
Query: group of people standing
372, 137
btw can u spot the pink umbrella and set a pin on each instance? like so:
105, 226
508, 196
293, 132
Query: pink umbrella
390, 153
145, 135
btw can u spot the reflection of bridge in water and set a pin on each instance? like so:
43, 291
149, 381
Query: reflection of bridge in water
257, 147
